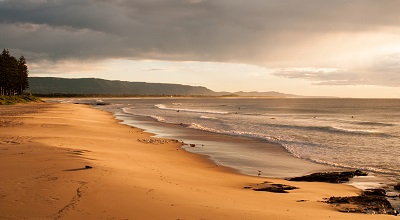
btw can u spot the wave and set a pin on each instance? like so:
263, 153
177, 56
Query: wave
355, 131
162, 106
126, 110
65, 101
236, 133
334, 129
290, 146
208, 117
299, 153
294, 147
204, 128
157, 118
371, 123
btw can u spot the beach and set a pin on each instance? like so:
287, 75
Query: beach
131, 175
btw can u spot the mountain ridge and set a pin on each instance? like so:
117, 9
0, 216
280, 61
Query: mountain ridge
96, 86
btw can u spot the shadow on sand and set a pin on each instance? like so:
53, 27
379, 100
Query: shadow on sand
78, 169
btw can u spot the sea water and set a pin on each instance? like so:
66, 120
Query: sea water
341, 133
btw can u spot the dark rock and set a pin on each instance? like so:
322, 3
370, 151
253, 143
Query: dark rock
88, 167
397, 187
101, 103
301, 200
271, 187
363, 204
330, 177
192, 145
374, 192
360, 173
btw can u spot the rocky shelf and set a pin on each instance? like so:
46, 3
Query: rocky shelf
271, 187
330, 177
371, 201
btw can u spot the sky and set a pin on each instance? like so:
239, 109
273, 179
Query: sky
344, 48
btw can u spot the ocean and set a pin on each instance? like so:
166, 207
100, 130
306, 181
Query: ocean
279, 137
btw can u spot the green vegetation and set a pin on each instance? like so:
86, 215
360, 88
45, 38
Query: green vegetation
14, 80
91, 87
10, 100
13, 74
53, 87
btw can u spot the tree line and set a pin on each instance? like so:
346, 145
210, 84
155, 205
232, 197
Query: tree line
13, 74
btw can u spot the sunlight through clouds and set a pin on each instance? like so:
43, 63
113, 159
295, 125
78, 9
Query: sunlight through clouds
301, 45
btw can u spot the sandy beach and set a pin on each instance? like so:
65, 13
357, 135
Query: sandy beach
45, 147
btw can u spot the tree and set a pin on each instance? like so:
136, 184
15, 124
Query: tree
13, 74
4, 71
22, 75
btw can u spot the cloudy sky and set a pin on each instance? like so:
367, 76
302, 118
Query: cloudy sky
346, 48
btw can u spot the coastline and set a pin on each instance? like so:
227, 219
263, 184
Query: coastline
227, 150
44, 153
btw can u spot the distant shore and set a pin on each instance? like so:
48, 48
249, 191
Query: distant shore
68, 161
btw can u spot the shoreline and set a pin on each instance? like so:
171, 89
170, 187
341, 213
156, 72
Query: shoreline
324, 166
44, 152
372, 181
225, 143
175, 131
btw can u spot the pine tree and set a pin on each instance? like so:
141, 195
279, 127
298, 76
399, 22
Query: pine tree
22, 75
4, 73
13, 74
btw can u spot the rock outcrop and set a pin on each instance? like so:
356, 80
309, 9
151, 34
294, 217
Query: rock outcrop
371, 201
330, 177
271, 187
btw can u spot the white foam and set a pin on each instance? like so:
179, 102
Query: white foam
355, 131
208, 117
367, 182
162, 106
157, 118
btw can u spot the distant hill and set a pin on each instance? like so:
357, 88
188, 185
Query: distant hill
266, 94
85, 86
93, 86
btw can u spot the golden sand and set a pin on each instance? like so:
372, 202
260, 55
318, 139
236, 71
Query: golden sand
44, 149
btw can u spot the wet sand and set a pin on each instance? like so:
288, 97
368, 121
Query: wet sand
44, 149
226, 150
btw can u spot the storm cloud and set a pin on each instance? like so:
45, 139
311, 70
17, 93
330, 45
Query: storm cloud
290, 35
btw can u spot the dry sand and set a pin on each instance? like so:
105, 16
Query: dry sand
45, 147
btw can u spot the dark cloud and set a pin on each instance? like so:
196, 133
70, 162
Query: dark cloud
264, 32
203, 30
